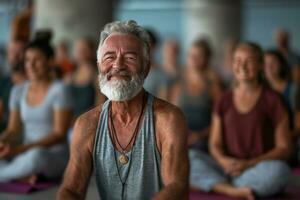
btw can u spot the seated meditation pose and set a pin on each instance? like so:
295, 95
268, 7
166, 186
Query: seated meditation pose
250, 139
135, 143
34, 142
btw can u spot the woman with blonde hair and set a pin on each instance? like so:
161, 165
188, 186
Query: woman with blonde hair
249, 139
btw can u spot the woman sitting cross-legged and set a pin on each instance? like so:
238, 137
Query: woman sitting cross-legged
250, 139
40, 110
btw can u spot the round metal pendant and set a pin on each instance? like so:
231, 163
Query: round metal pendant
123, 159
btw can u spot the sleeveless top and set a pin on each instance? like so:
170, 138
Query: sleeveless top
82, 105
144, 178
197, 109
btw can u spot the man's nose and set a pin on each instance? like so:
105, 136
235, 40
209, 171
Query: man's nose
118, 62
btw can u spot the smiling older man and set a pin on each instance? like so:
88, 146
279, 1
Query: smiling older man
135, 143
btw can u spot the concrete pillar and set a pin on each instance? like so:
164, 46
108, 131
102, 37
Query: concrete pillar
70, 19
218, 20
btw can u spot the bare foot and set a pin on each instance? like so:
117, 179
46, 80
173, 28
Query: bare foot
237, 192
29, 179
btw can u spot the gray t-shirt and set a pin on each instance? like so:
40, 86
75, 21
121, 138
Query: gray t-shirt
37, 120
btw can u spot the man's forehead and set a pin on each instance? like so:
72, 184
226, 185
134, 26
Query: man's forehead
121, 40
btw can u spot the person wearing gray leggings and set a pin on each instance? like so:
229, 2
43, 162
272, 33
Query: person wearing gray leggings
40, 112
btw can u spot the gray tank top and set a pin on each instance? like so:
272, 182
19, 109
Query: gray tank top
144, 178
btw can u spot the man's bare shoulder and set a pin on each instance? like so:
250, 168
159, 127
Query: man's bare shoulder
90, 117
165, 111
168, 117
170, 123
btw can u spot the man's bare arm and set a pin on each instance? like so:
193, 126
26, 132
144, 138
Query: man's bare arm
175, 163
79, 169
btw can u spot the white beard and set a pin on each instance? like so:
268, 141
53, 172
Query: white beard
121, 90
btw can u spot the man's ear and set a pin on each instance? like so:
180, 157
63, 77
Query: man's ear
147, 70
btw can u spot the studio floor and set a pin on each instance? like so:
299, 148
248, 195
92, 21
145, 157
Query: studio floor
92, 194
50, 194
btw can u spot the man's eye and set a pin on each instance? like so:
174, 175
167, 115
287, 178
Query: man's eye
109, 58
130, 58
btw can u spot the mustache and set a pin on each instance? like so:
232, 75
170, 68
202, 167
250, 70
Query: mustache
118, 72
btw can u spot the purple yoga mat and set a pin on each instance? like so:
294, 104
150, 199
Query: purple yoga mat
23, 188
291, 193
296, 171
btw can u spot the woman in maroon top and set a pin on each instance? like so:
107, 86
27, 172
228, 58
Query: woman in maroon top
250, 138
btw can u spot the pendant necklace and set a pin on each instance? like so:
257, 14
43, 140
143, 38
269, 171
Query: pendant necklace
123, 158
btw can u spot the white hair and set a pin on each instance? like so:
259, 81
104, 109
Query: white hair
126, 27
121, 90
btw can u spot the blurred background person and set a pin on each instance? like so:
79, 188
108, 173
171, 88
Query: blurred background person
277, 73
21, 24
83, 81
14, 55
250, 139
40, 111
282, 39
18, 75
84, 50
63, 60
187, 87
12, 73
83, 88
171, 67
156, 79
226, 68
196, 92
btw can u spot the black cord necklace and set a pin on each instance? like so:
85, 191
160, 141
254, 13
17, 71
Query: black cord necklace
123, 159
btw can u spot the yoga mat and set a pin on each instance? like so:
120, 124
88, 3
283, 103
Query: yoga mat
296, 171
24, 188
291, 193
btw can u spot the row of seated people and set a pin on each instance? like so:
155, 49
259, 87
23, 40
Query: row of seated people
249, 127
